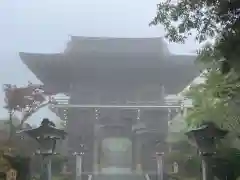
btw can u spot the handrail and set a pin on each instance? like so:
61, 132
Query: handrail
115, 106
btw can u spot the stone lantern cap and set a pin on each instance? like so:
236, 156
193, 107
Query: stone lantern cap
46, 130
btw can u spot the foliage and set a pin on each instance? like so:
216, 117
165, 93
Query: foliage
182, 153
4, 164
205, 20
226, 163
27, 100
20, 164
216, 100
19, 146
217, 24
189, 163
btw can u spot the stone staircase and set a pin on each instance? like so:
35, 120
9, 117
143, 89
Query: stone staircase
118, 177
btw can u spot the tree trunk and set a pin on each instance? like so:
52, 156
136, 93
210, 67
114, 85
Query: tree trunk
11, 126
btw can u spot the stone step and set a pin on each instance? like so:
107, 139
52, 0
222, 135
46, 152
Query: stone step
119, 177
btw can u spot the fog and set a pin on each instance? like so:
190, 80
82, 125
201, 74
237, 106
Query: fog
45, 26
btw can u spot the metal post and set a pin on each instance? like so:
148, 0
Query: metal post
138, 153
46, 168
78, 167
159, 166
206, 170
133, 152
95, 156
49, 168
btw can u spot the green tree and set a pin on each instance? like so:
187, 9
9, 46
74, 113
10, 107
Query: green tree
217, 101
205, 20
217, 24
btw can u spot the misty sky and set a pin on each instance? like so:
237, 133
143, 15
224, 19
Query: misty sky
45, 26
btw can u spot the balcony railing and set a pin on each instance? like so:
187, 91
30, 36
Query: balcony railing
170, 101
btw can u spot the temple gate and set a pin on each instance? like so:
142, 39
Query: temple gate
117, 88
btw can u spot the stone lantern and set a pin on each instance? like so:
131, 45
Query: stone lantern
46, 135
205, 138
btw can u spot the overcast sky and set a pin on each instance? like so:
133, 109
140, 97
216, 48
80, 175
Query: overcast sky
45, 26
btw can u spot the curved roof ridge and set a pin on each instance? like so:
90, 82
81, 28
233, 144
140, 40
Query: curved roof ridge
74, 38
37, 54
81, 44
